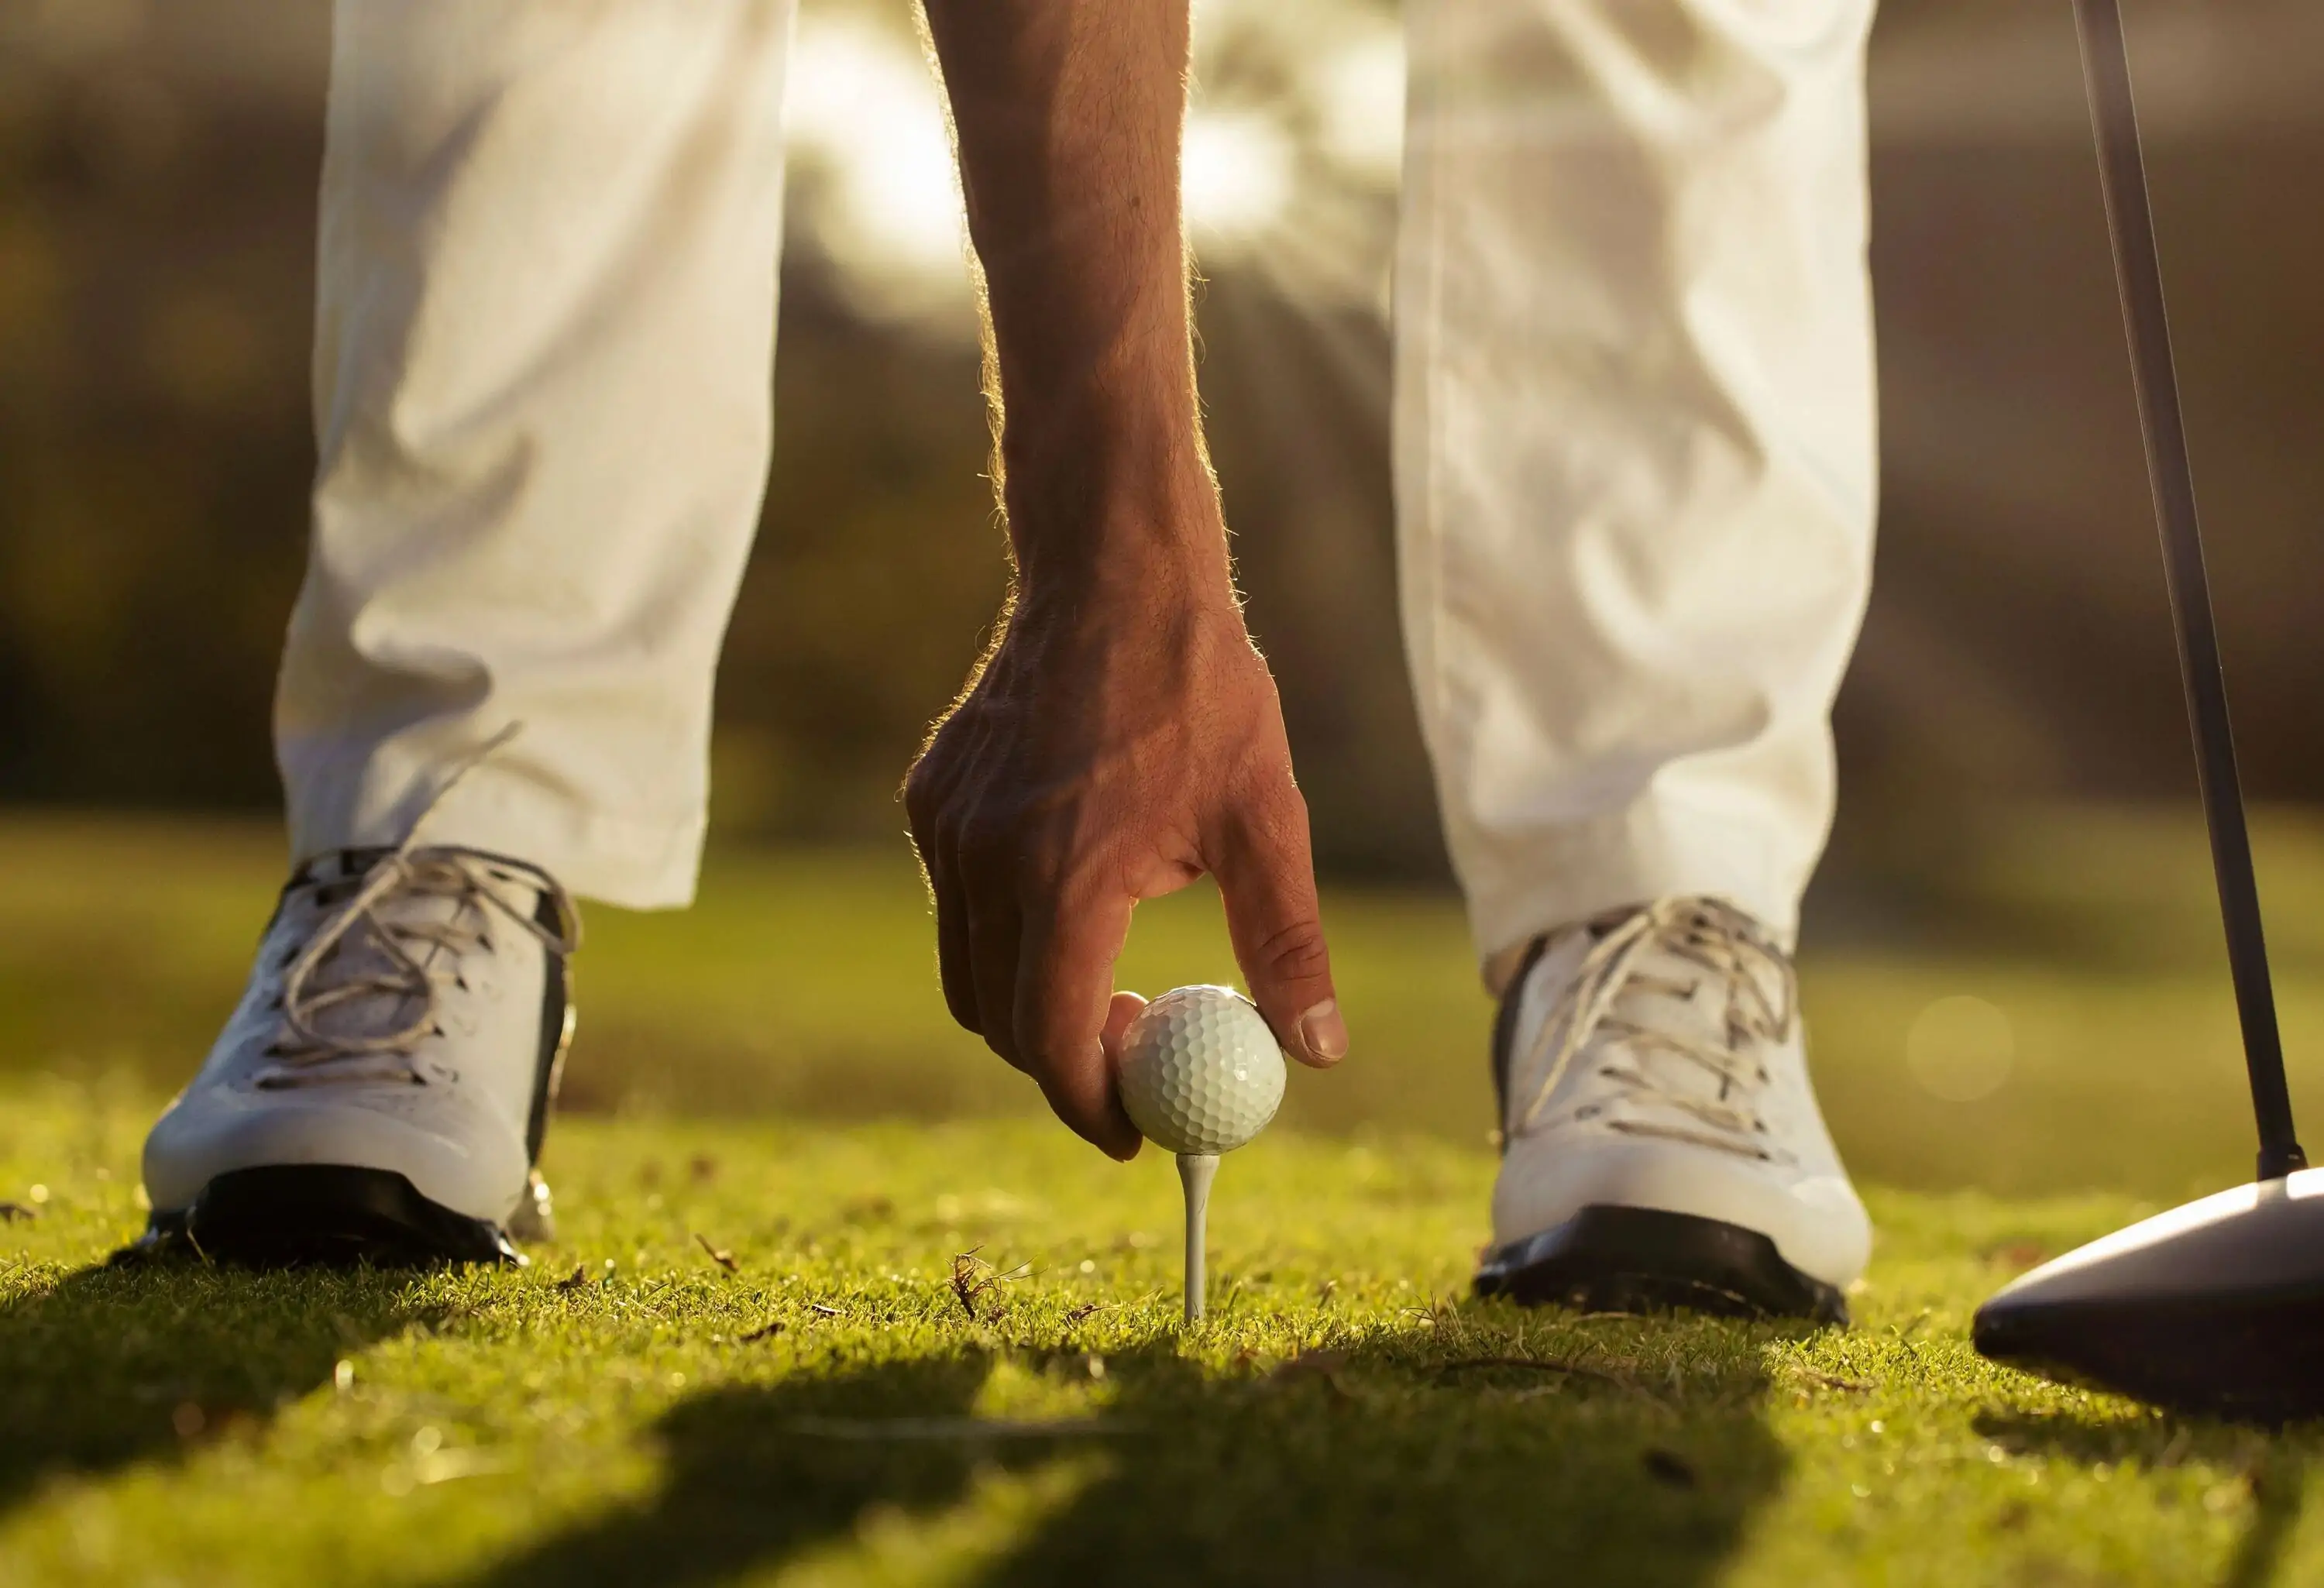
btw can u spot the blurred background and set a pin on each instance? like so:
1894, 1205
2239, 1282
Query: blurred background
2013, 968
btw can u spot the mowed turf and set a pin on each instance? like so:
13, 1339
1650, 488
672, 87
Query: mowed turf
893, 1353
851, 1341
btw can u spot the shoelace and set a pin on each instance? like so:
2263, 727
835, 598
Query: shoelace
1736, 955
308, 1055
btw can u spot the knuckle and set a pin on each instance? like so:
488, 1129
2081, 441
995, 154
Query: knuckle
1274, 784
1007, 855
1296, 952
1282, 813
925, 821
981, 839
1268, 820
920, 787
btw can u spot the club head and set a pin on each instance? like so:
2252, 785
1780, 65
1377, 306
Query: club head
2216, 1306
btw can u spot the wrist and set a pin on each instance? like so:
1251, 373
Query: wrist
1118, 645
1139, 573
1106, 511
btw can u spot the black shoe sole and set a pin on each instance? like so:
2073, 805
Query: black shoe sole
292, 1215
1609, 1258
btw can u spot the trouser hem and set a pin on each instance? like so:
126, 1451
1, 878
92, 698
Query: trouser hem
631, 863
1652, 851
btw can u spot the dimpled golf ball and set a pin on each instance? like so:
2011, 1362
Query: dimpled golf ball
1200, 1071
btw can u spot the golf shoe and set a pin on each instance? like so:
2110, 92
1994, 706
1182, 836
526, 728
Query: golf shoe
382, 1091
1661, 1142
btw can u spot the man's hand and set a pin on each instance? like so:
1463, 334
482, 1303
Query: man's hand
1124, 738
1106, 756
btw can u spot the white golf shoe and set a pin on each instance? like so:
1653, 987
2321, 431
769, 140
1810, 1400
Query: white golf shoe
1661, 1142
381, 1092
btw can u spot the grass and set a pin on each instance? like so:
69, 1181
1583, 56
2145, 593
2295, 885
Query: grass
949, 1352
832, 1409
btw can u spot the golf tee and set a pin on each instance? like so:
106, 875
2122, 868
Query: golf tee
1194, 1172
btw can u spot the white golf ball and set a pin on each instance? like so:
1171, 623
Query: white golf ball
1201, 1072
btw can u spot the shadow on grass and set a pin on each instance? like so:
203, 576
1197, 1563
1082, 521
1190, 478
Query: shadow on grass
1380, 1472
2276, 1494
2274, 1465
111, 1366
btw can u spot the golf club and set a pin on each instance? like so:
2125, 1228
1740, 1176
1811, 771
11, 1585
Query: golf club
2213, 1307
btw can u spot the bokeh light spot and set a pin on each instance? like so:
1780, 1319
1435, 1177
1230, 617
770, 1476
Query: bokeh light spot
1960, 1048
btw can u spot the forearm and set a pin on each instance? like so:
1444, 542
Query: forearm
1068, 115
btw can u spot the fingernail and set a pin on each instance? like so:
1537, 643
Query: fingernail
1323, 1030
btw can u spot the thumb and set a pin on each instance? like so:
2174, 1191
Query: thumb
1122, 1008
1267, 877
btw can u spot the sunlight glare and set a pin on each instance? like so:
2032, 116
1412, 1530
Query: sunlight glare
1360, 93
864, 108
1238, 174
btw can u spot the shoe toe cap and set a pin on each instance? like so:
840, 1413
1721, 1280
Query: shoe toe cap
474, 1166
1815, 1220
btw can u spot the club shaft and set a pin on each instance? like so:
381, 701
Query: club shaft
1195, 1171
2138, 274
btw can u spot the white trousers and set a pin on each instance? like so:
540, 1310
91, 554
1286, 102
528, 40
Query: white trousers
544, 324
1634, 441
1635, 432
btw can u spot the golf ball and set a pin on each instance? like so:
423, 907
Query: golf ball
1201, 1073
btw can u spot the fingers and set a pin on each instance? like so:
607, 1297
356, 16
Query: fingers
996, 931
1064, 1008
954, 961
1267, 877
941, 869
1048, 1018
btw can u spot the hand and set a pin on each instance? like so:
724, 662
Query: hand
1114, 750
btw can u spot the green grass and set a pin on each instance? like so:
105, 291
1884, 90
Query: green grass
607, 1415
829, 1409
